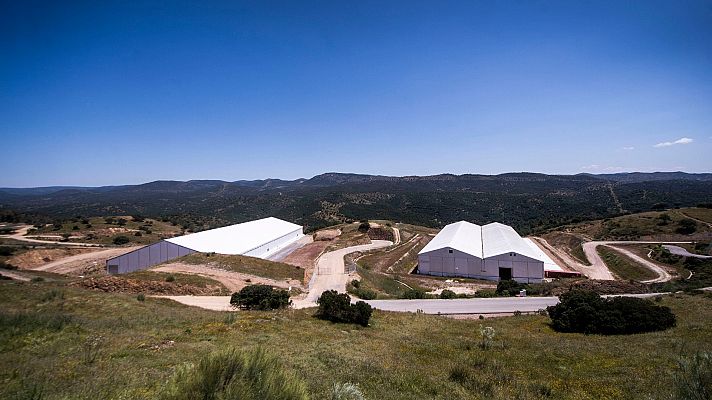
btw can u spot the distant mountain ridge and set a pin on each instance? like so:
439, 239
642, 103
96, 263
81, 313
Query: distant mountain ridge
337, 178
525, 200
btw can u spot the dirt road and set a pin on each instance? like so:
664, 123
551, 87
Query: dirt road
597, 263
14, 275
598, 268
22, 231
329, 273
83, 263
233, 281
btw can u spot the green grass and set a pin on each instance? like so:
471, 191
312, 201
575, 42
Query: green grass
182, 279
247, 265
112, 346
624, 267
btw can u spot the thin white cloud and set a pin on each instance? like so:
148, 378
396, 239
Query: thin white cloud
678, 141
628, 148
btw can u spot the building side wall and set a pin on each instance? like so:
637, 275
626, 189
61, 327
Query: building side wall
275, 245
146, 257
441, 262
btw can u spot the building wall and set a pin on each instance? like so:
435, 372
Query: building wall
275, 245
524, 269
443, 262
146, 257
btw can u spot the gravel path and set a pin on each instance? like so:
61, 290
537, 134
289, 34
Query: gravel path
21, 232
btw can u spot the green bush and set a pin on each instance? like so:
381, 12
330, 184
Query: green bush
414, 294
587, 312
364, 226
365, 294
260, 297
693, 377
448, 294
232, 374
141, 297
510, 287
119, 240
686, 226
170, 278
337, 307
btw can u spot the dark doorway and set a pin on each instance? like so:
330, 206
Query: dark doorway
505, 274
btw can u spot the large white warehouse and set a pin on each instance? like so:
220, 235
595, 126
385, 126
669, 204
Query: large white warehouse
494, 251
259, 238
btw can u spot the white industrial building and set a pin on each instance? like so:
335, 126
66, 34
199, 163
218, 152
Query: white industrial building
259, 238
494, 251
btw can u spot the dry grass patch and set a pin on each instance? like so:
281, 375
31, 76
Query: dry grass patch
247, 265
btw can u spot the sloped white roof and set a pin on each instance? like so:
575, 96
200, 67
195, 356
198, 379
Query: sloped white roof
238, 238
463, 236
549, 264
481, 241
502, 239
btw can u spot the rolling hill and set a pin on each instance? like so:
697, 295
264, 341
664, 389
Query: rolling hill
528, 201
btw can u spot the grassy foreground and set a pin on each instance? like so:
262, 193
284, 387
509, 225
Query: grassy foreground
72, 343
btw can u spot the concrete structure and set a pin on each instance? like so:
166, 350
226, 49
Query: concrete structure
260, 238
494, 251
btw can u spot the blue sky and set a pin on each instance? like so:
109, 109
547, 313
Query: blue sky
99, 93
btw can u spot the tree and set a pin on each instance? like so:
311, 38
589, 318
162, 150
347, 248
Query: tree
447, 294
337, 307
260, 297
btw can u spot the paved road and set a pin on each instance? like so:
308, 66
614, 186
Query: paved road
329, 272
499, 305
680, 251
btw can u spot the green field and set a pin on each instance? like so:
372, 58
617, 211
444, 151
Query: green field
77, 344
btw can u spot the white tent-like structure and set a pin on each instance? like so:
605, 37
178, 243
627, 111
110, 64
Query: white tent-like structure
494, 251
259, 238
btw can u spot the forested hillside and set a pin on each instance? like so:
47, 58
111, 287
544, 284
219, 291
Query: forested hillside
525, 200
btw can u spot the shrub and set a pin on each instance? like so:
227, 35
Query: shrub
447, 294
6, 251
364, 226
138, 234
119, 240
337, 307
141, 297
235, 375
510, 287
37, 279
346, 391
170, 278
365, 294
413, 294
693, 378
686, 226
586, 312
260, 297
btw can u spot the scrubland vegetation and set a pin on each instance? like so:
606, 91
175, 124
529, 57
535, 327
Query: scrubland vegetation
70, 343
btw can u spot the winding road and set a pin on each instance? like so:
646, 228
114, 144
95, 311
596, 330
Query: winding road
598, 268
